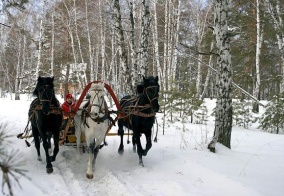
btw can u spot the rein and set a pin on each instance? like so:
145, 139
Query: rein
53, 109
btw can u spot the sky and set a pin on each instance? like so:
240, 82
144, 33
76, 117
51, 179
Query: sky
179, 164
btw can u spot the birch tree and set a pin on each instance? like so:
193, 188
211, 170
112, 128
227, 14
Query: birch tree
52, 43
126, 80
89, 43
259, 39
133, 39
145, 39
41, 39
156, 44
223, 116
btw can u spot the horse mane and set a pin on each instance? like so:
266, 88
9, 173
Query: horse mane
151, 80
97, 86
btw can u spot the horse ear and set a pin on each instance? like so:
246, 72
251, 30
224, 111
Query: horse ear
157, 79
52, 78
39, 78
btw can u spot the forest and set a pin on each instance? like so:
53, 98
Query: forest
118, 41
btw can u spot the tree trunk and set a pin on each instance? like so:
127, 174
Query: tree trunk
259, 38
41, 40
223, 117
144, 39
156, 47
126, 84
133, 47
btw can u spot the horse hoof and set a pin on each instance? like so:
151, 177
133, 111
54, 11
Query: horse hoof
89, 176
49, 170
39, 158
120, 151
141, 163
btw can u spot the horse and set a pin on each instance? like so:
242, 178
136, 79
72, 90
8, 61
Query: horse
45, 115
93, 118
138, 114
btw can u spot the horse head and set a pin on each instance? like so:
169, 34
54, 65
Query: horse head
97, 101
45, 92
151, 90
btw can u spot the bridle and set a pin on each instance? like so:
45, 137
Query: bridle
155, 94
102, 108
40, 94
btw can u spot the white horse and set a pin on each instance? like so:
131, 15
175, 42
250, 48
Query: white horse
94, 123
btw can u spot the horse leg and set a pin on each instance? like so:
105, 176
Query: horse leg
49, 135
148, 142
37, 142
56, 146
139, 148
134, 144
45, 144
89, 173
78, 139
120, 133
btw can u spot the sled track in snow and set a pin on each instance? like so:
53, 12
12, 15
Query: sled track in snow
105, 182
69, 177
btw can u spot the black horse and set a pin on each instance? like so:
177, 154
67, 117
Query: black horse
138, 114
45, 115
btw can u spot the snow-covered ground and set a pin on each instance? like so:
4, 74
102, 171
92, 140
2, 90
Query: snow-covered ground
179, 164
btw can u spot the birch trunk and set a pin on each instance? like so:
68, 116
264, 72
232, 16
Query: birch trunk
156, 47
206, 83
18, 69
223, 116
41, 39
133, 47
89, 43
102, 45
126, 83
165, 60
144, 39
259, 38
175, 42
52, 44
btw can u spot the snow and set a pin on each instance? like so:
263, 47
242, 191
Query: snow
179, 164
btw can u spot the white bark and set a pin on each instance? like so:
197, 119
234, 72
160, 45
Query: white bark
156, 45
127, 87
144, 39
259, 39
133, 38
89, 43
18, 69
223, 116
102, 45
165, 61
175, 42
52, 44
41, 39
